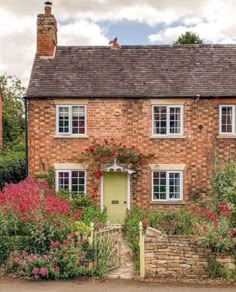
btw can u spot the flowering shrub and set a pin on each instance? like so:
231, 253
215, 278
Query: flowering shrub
215, 228
106, 152
67, 259
99, 155
29, 197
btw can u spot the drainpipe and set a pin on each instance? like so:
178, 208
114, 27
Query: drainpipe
26, 135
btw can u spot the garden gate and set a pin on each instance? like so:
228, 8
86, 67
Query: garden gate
107, 246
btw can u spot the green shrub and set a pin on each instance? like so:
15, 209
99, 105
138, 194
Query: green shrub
66, 259
132, 227
224, 184
12, 167
93, 214
215, 269
81, 201
172, 221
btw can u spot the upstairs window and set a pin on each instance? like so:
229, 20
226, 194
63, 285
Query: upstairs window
167, 185
227, 119
167, 120
73, 181
71, 120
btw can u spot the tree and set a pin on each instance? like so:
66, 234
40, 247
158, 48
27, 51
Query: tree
13, 109
189, 38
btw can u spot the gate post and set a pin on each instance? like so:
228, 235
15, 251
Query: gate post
91, 236
141, 250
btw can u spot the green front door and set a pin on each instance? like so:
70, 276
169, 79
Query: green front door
115, 187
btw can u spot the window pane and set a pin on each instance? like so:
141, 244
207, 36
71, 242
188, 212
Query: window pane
63, 182
174, 185
226, 119
160, 120
78, 182
78, 120
63, 113
159, 185
175, 120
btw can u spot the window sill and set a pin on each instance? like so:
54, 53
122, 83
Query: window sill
167, 203
231, 136
71, 136
168, 137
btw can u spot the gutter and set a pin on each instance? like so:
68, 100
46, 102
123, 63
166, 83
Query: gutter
26, 135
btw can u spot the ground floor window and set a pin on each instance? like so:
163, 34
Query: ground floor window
73, 181
167, 185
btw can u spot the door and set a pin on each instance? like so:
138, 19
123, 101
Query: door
115, 188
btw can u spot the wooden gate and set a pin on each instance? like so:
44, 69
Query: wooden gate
107, 247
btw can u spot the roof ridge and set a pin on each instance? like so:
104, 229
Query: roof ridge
152, 46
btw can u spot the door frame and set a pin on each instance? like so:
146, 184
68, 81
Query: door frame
128, 191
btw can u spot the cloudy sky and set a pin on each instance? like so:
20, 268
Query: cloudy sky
95, 22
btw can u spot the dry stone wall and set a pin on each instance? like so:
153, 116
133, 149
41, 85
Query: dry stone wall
178, 256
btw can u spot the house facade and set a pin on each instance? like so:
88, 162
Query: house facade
177, 102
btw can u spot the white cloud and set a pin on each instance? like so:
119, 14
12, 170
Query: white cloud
82, 33
213, 20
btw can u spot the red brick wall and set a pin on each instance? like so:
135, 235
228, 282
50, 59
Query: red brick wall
133, 127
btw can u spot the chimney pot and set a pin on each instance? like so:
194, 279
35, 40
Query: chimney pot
48, 8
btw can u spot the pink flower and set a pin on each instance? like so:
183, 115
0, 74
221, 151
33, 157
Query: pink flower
231, 232
43, 271
57, 269
44, 257
35, 271
16, 260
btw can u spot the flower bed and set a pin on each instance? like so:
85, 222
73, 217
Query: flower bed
38, 227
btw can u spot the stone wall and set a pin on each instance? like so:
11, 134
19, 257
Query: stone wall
178, 256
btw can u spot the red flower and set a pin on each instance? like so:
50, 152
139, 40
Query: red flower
77, 214
231, 232
205, 229
106, 141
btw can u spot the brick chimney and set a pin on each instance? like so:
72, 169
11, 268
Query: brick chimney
46, 32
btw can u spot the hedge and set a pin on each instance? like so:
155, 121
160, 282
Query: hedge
12, 167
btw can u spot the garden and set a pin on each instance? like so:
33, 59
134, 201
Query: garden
211, 221
44, 235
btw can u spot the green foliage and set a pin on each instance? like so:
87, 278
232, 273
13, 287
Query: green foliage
132, 227
41, 175
12, 167
13, 109
93, 214
81, 201
173, 221
215, 269
65, 259
224, 184
189, 38
51, 177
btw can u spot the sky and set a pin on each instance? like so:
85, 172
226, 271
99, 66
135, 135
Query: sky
95, 22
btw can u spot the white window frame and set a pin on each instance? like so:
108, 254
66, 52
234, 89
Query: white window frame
168, 106
168, 199
233, 119
70, 179
70, 119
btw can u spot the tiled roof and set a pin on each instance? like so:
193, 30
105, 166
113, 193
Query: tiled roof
136, 71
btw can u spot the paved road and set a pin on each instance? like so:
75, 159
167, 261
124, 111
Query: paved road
98, 286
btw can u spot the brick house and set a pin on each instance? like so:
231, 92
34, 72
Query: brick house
178, 102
